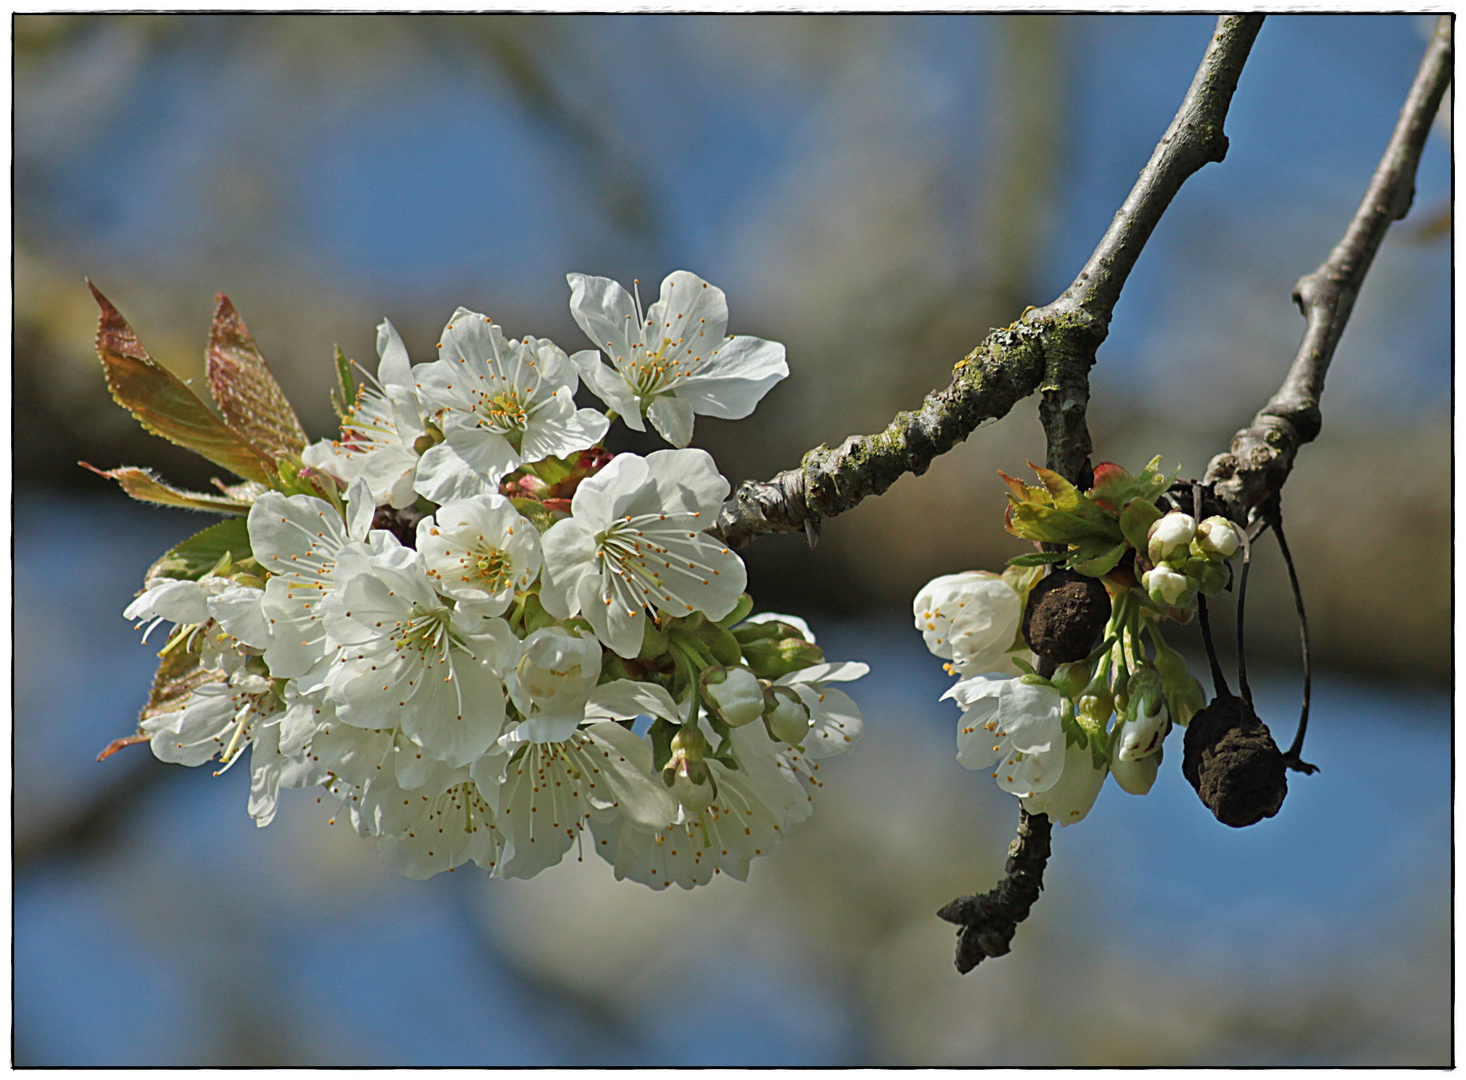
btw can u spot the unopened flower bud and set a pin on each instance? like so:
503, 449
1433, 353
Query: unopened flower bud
773, 658
1094, 705
1165, 586
733, 694
1218, 536
1170, 534
1210, 577
686, 772
1136, 777
785, 715
1146, 718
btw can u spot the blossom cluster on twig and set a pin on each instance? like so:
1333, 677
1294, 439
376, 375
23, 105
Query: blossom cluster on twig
1067, 678
467, 620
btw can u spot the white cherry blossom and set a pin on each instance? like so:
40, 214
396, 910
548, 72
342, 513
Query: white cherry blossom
382, 434
1071, 796
300, 539
480, 551
1014, 725
557, 670
835, 720
500, 404
970, 619
409, 661
546, 792
745, 818
673, 361
634, 544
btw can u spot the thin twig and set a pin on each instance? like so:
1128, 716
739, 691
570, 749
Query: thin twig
1273, 512
1262, 454
1050, 348
1241, 620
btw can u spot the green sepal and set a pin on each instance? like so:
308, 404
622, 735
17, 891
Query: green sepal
661, 734
721, 643
539, 515
739, 613
534, 614
1074, 734
203, 551
344, 396
773, 659
653, 642
1024, 666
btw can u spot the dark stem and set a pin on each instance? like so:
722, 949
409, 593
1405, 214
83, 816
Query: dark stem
1241, 619
989, 921
1218, 680
1049, 348
1292, 756
1262, 454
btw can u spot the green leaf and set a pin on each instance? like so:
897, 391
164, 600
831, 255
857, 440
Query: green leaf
1065, 495
1096, 561
1136, 519
344, 396
1038, 558
1118, 487
164, 404
201, 552
245, 390
1049, 525
144, 485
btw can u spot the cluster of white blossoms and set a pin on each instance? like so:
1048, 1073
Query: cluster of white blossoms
485, 634
1096, 619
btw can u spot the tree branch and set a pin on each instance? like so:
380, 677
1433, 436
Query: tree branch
1262, 454
1051, 347
988, 922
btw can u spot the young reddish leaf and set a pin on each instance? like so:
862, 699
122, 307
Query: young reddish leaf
1065, 495
117, 744
144, 485
1019, 489
164, 404
247, 394
178, 676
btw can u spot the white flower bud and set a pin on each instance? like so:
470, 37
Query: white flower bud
735, 694
1136, 777
787, 717
1165, 586
556, 672
686, 772
1218, 536
1141, 734
691, 794
1171, 534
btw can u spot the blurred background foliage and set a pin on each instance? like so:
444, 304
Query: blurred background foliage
876, 192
